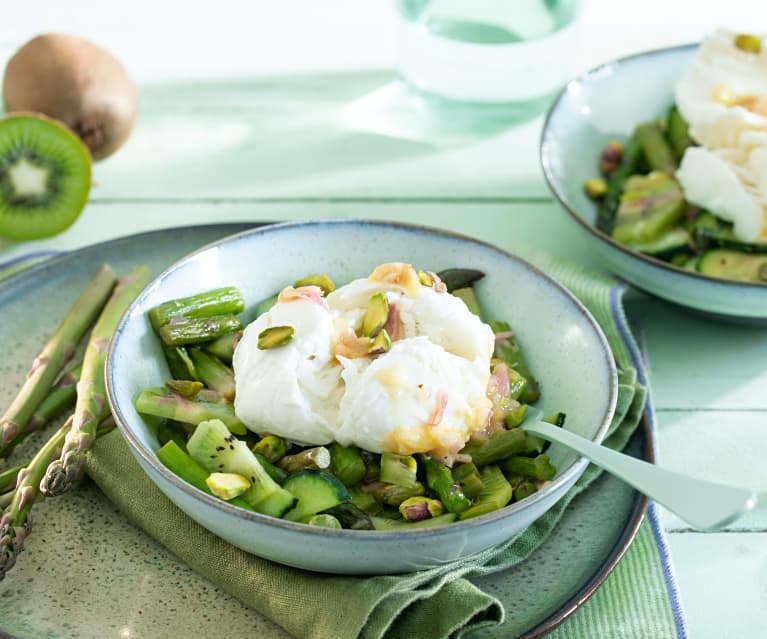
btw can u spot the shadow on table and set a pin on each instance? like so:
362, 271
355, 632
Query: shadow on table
288, 128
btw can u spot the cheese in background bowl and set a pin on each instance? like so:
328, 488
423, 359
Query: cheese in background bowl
723, 96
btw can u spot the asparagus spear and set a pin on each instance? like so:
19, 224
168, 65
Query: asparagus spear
162, 402
679, 133
213, 372
221, 301
8, 478
391, 494
224, 346
55, 354
61, 397
468, 477
538, 468
179, 363
454, 278
656, 150
441, 481
5, 500
15, 523
91, 406
181, 331
470, 299
346, 464
399, 469
609, 205
497, 446
317, 458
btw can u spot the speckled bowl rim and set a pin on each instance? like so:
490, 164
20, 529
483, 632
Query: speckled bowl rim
149, 456
546, 161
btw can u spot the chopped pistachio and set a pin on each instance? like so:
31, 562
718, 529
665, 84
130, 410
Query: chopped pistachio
227, 485
611, 157
381, 344
317, 279
420, 508
275, 336
425, 278
375, 316
748, 42
184, 387
596, 188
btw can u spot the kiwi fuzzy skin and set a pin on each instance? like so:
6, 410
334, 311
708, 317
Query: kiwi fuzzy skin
77, 82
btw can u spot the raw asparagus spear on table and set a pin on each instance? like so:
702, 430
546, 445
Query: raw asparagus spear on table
15, 423
91, 406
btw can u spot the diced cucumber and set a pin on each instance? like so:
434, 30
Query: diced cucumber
315, 491
674, 242
734, 265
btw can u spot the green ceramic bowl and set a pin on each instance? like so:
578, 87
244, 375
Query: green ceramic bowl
606, 103
566, 349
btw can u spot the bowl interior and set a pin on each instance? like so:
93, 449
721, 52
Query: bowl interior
604, 104
565, 348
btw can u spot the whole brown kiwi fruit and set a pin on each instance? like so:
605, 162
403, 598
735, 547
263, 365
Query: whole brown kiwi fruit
77, 82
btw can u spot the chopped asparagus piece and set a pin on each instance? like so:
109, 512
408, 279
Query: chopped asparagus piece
455, 278
317, 458
399, 469
679, 133
469, 298
538, 468
179, 363
516, 416
351, 516
656, 150
346, 464
213, 372
276, 473
468, 477
224, 346
181, 331
391, 494
161, 402
509, 351
221, 301
497, 446
166, 432
440, 480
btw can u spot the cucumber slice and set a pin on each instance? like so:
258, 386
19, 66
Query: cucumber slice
315, 491
734, 265
674, 242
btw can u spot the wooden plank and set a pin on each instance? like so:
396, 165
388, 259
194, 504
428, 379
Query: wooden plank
523, 227
700, 363
726, 447
722, 582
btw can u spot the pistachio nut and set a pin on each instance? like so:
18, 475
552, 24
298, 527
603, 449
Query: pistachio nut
375, 316
381, 344
317, 279
275, 336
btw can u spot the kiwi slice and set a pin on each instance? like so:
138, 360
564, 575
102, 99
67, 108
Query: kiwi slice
45, 176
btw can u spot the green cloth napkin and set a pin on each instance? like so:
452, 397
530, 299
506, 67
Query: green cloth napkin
440, 602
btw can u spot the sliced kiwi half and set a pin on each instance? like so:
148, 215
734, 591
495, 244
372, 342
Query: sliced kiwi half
45, 176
